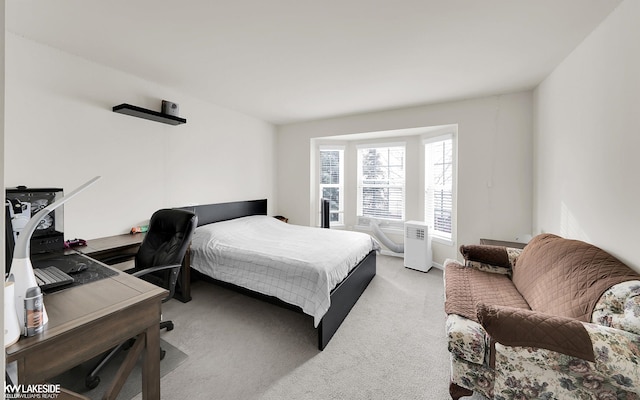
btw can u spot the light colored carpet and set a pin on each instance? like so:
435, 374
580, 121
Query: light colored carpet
391, 346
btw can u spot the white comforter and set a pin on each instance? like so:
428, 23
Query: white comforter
297, 264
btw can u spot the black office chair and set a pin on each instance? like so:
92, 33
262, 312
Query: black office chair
158, 261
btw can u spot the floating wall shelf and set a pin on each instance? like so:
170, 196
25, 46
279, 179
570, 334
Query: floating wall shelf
140, 112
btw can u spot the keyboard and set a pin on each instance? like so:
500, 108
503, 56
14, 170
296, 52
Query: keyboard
51, 277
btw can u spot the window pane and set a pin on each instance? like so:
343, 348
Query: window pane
330, 166
439, 186
331, 181
333, 195
381, 166
442, 211
381, 182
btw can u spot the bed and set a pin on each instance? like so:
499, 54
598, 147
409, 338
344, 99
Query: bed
316, 271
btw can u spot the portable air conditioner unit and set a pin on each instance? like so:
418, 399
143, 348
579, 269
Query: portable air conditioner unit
417, 246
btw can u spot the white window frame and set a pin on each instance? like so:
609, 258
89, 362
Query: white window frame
397, 184
443, 236
340, 185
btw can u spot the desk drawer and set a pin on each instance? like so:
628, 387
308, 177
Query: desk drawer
115, 256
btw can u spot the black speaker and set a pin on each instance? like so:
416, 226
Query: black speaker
324, 207
170, 108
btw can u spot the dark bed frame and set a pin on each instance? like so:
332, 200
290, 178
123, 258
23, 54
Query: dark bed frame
343, 297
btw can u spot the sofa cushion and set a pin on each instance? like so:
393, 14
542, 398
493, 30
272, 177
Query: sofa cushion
566, 277
466, 287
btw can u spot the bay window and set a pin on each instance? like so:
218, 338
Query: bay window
381, 181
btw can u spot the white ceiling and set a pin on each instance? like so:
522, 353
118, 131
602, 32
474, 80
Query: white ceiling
293, 60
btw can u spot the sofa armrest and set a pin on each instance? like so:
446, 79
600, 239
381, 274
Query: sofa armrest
525, 372
494, 255
518, 327
613, 375
617, 353
619, 307
496, 259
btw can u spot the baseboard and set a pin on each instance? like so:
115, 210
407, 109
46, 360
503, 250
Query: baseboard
386, 252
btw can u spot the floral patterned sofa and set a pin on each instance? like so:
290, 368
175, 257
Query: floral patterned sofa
559, 319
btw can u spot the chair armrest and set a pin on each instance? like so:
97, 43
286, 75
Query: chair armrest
175, 270
146, 271
518, 327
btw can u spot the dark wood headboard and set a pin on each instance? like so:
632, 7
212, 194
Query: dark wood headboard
210, 213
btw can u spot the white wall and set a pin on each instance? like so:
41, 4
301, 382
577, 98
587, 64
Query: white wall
60, 131
494, 162
587, 138
2, 101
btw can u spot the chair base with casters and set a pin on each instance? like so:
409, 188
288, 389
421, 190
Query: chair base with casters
158, 261
93, 380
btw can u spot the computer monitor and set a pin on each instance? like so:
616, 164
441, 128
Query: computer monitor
26, 202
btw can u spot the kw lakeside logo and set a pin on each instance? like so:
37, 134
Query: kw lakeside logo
36, 391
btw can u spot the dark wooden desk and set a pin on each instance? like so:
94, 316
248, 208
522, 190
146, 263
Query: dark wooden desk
118, 251
87, 320
113, 249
